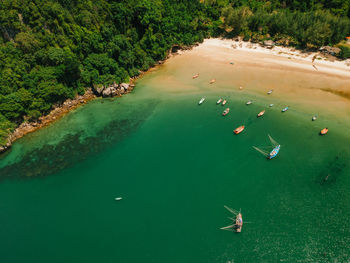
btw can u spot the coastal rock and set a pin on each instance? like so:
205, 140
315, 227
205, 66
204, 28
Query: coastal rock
330, 50
125, 86
108, 92
269, 43
98, 89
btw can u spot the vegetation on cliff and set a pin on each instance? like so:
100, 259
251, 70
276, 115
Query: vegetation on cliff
52, 50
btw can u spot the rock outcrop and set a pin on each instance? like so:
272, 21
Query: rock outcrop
113, 89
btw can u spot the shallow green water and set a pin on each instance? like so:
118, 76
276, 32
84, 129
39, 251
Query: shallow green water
176, 164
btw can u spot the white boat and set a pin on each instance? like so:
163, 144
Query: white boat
269, 92
249, 102
224, 102
118, 198
201, 101
271, 105
314, 118
219, 101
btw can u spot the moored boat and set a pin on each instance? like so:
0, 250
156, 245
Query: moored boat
226, 111
314, 118
201, 101
219, 101
195, 76
285, 109
249, 102
324, 131
274, 152
240, 88
269, 92
239, 129
118, 198
261, 113
212, 81
239, 223
224, 102
271, 105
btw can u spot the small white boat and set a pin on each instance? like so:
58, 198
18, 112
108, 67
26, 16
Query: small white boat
224, 102
249, 102
201, 101
269, 92
314, 118
118, 198
285, 109
219, 101
271, 105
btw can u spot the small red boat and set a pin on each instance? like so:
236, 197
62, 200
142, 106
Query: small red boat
226, 112
239, 129
261, 113
324, 131
195, 76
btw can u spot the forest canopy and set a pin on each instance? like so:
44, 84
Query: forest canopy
52, 50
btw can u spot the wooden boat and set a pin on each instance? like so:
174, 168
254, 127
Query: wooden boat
274, 152
261, 113
324, 131
285, 109
271, 105
201, 101
219, 101
224, 102
237, 223
195, 76
118, 198
314, 118
249, 102
239, 129
269, 92
212, 81
226, 111
240, 88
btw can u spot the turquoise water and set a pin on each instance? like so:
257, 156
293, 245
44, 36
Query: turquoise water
176, 164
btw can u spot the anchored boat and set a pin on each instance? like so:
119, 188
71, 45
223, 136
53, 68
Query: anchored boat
269, 92
270, 154
314, 118
249, 102
237, 221
212, 81
274, 152
261, 113
285, 109
226, 111
195, 76
201, 101
118, 198
271, 105
224, 102
219, 101
324, 131
239, 129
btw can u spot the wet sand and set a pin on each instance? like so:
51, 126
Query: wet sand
291, 76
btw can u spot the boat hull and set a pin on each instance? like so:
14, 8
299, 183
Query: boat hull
274, 152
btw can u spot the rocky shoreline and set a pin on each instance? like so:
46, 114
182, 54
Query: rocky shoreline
60, 110
98, 90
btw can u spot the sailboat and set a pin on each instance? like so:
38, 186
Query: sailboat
237, 221
270, 154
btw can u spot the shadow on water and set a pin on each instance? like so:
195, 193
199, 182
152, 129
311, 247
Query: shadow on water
333, 169
72, 149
